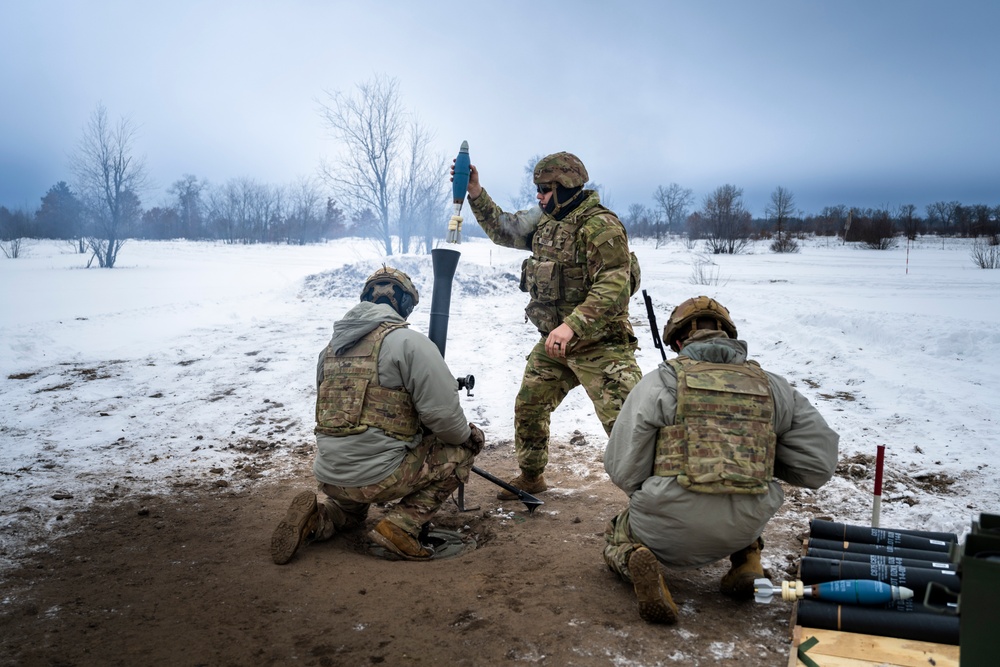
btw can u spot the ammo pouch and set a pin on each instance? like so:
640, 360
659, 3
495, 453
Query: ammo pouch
541, 279
545, 317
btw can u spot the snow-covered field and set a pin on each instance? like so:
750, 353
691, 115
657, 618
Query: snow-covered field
177, 363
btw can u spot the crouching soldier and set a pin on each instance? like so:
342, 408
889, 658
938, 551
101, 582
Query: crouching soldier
697, 447
389, 426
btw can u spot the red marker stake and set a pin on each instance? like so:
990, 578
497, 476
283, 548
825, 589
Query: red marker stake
877, 504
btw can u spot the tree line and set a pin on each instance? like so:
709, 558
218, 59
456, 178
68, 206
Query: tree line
386, 184
726, 225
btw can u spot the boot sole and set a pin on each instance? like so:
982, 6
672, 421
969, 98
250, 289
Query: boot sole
288, 537
653, 605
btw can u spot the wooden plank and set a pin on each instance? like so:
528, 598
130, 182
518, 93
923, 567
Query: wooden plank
849, 649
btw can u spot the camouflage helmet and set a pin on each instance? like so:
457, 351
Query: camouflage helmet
563, 168
683, 320
392, 286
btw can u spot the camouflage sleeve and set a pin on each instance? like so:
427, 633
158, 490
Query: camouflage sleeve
513, 230
608, 265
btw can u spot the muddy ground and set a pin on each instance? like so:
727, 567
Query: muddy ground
186, 579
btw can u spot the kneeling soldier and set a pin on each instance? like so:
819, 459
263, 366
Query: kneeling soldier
389, 426
697, 447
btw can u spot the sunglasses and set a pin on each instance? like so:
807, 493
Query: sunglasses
545, 188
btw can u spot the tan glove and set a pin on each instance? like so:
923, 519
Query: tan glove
476, 440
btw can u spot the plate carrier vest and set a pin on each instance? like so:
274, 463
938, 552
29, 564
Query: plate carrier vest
722, 439
350, 399
556, 273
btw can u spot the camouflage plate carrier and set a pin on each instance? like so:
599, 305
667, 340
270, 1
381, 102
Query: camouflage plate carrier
350, 398
556, 275
722, 439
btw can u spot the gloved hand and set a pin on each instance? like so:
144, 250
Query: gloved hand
476, 440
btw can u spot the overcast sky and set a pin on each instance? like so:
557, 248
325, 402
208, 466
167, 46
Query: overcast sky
860, 102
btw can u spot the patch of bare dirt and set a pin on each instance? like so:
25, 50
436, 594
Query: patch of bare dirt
186, 579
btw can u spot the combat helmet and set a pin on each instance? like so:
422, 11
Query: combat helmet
391, 286
563, 168
684, 319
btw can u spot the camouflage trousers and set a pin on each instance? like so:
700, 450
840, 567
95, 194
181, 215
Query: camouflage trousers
606, 371
619, 543
428, 474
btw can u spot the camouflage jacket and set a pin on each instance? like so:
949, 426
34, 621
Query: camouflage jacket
407, 360
580, 272
691, 529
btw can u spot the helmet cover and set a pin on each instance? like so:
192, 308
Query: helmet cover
563, 168
684, 318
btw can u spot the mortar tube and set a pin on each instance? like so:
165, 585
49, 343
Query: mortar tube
444, 262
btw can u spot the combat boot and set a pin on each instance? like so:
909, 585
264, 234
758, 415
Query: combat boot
397, 541
655, 603
746, 567
527, 483
295, 529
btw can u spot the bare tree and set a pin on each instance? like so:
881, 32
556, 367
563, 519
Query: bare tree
780, 209
303, 221
639, 221
909, 220
110, 179
423, 194
830, 221
875, 228
189, 206
983, 222
673, 202
525, 197
986, 252
372, 126
15, 229
725, 220
941, 214
245, 211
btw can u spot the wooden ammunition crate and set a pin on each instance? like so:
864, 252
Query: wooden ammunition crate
849, 649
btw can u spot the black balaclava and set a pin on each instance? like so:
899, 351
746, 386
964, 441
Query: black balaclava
563, 201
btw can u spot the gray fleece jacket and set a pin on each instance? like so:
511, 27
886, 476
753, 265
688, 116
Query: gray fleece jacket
685, 528
410, 360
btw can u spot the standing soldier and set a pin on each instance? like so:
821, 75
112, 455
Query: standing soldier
698, 447
389, 426
580, 276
